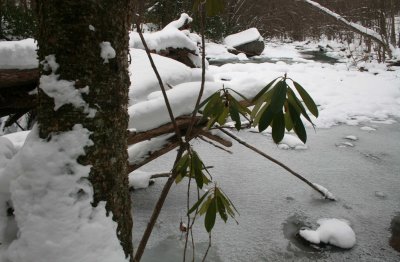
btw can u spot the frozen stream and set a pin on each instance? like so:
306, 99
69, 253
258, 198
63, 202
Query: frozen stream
273, 204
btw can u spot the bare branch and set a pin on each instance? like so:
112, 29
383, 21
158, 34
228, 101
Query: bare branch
238, 139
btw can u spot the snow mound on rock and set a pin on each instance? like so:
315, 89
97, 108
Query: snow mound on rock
243, 37
331, 231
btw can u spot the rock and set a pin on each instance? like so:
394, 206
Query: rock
252, 49
249, 42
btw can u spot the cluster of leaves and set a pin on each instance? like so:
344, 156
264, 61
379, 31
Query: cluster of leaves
213, 201
221, 105
190, 165
16, 21
277, 105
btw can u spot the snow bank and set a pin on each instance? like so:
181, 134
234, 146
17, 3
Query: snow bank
17, 138
7, 151
243, 37
139, 179
331, 231
169, 37
18, 54
144, 80
52, 202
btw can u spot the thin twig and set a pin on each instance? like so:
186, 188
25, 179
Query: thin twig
203, 69
157, 208
160, 82
215, 145
188, 218
238, 139
208, 248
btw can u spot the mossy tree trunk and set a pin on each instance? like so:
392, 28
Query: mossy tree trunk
72, 31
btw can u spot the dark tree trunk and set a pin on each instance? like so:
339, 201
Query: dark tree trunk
72, 31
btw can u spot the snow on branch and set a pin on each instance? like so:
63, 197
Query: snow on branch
369, 33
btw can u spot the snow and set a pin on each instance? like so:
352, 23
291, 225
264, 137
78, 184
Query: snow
218, 52
243, 37
169, 37
17, 138
326, 192
62, 91
107, 51
183, 19
351, 137
139, 151
291, 141
7, 151
331, 231
52, 203
144, 80
139, 179
367, 128
18, 54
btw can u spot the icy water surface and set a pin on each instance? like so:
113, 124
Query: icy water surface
274, 205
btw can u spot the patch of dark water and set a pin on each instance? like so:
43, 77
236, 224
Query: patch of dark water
395, 228
253, 60
319, 56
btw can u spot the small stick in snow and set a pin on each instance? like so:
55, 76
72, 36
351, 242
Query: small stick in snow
312, 185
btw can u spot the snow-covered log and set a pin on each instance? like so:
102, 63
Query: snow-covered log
366, 32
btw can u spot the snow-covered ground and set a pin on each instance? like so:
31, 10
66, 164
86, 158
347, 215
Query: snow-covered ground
274, 206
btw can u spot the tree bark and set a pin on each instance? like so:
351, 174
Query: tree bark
72, 31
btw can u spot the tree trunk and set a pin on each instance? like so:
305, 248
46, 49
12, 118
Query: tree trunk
72, 31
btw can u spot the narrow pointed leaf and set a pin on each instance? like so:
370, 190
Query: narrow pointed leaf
209, 220
296, 103
197, 204
221, 209
277, 100
297, 124
278, 127
234, 113
265, 89
306, 99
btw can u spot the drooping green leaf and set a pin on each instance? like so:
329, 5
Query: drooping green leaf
196, 169
197, 204
288, 119
278, 127
234, 113
222, 117
205, 101
277, 100
239, 94
221, 209
203, 209
211, 104
297, 104
265, 89
297, 124
306, 99
209, 220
